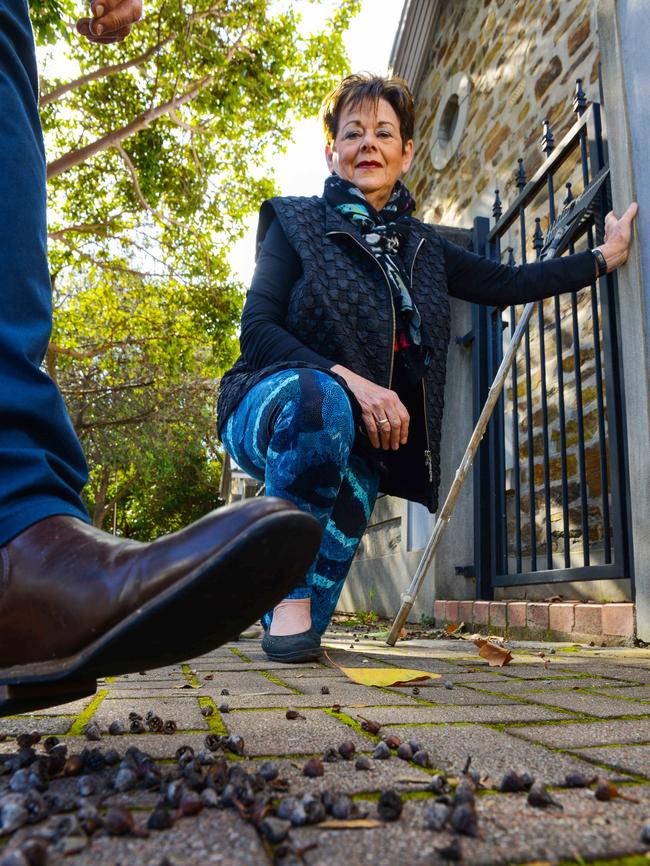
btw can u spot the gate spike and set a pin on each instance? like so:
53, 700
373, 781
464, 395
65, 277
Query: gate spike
538, 237
511, 257
497, 210
548, 141
521, 175
569, 195
579, 99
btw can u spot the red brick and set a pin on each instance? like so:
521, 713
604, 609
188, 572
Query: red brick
517, 614
498, 613
439, 612
451, 611
618, 619
537, 614
465, 611
561, 616
481, 612
589, 618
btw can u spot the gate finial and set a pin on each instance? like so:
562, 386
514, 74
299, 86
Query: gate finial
548, 142
497, 210
569, 195
511, 257
579, 99
538, 237
521, 175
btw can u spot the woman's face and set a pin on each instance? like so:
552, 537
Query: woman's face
369, 151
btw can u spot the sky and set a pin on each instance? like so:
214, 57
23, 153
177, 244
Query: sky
302, 170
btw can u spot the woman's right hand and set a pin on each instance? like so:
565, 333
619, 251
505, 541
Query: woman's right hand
382, 411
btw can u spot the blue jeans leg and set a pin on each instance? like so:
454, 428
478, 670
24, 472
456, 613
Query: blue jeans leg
295, 430
42, 467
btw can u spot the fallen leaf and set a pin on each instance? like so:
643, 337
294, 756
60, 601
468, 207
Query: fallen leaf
350, 824
495, 656
383, 677
454, 627
403, 634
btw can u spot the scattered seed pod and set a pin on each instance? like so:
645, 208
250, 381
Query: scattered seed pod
330, 755
35, 850
313, 767
92, 731
116, 728
608, 791
390, 806
294, 714
324, 690
382, 752
342, 807
422, 759
275, 829
155, 724
119, 822
575, 779
137, 726
336, 708
438, 784
463, 819
207, 710
347, 749
415, 690
112, 757
125, 780
213, 742
189, 804
369, 725
135, 717
404, 751
449, 684
452, 852
169, 727
513, 783
86, 786
14, 858
465, 791
224, 708
436, 815
269, 771
539, 797
362, 763
50, 742
209, 798
160, 819
235, 744
645, 834
392, 741
89, 818
73, 766
13, 813
223, 691
415, 745
286, 808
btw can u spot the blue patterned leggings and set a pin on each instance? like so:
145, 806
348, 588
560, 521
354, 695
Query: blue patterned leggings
294, 430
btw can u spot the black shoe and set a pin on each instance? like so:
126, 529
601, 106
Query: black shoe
302, 647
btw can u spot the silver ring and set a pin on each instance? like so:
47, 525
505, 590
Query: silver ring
383, 421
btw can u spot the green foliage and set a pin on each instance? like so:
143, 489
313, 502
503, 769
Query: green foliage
158, 149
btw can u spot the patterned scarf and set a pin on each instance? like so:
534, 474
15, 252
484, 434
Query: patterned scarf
383, 233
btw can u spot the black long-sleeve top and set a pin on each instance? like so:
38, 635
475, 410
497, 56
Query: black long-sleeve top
264, 340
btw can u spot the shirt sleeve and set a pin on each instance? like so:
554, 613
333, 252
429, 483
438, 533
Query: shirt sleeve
264, 339
481, 281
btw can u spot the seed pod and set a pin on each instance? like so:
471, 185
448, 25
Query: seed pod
438, 784
155, 724
111, 757
286, 808
119, 822
208, 710
315, 811
415, 745
125, 780
94, 760
463, 819
235, 744
342, 807
14, 858
436, 815
465, 792
392, 741
135, 717
89, 818
224, 691
209, 798
452, 852
224, 708
117, 728
336, 708
362, 763
330, 755
183, 754
415, 690
347, 749
169, 727
35, 850
189, 804
404, 751
86, 786
137, 727
539, 797
422, 759
160, 819
382, 752
13, 813
313, 768
298, 816
213, 742
512, 783
369, 725
449, 684
324, 690
608, 791
73, 766
50, 742
275, 829
269, 771
390, 806
576, 779
645, 834
293, 714
92, 731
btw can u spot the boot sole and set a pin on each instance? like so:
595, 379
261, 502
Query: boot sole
259, 567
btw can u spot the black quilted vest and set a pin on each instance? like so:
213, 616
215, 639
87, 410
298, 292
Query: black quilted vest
341, 307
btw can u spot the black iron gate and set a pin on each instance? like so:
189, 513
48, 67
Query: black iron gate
550, 475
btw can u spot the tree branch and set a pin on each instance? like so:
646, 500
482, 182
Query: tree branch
138, 191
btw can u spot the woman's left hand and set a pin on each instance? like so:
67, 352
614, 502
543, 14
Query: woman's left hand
618, 237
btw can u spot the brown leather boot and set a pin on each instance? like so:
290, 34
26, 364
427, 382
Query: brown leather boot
77, 603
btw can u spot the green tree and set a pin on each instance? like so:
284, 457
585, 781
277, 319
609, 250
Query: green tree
157, 156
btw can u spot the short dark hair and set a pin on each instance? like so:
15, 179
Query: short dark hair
362, 87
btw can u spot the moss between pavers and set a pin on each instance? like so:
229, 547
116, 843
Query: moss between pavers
191, 677
240, 655
632, 860
77, 727
278, 682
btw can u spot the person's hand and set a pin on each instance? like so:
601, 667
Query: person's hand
618, 237
112, 20
382, 411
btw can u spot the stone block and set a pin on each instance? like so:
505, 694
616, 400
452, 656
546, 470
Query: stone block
481, 612
517, 614
589, 618
465, 611
451, 611
499, 613
618, 619
439, 612
561, 616
537, 614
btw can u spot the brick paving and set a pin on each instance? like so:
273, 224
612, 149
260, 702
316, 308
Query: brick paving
588, 710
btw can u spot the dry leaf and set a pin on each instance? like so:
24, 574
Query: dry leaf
350, 824
383, 677
403, 634
495, 656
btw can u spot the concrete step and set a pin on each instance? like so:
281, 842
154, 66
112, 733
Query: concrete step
611, 624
